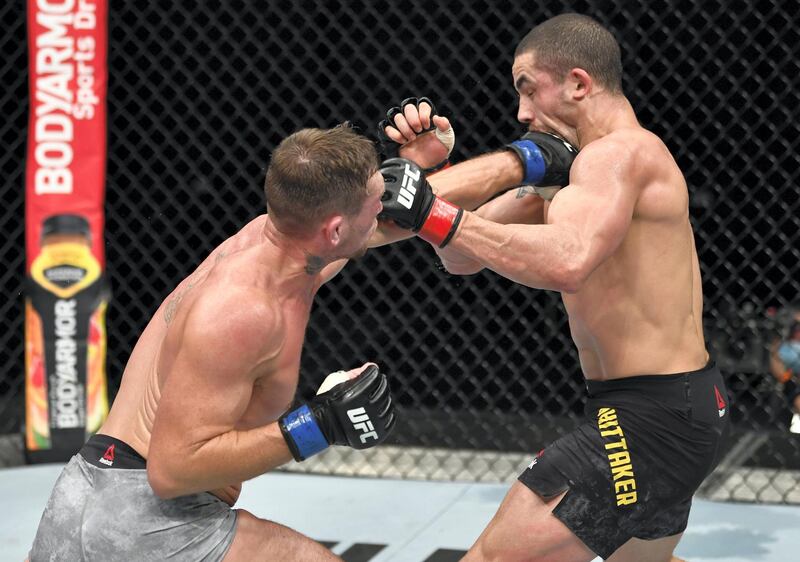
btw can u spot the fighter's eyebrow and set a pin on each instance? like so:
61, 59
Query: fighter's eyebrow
520, 83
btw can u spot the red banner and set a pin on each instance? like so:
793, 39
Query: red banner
66, 396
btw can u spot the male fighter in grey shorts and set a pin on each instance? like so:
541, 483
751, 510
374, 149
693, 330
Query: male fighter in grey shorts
204, 397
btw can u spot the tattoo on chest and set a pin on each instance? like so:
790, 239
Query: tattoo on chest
314, 264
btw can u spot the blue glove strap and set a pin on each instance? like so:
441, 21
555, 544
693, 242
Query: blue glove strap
533, 162
305, 432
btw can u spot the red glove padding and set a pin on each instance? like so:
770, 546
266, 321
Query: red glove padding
410, 202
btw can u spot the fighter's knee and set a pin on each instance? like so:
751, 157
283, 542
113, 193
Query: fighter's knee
478, 552
496, 555
267, 540
249, 537
490, 548
247, 523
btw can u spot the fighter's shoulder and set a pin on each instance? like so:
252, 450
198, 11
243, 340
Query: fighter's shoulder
256, 223
245, 237
628, 141
239, 318
630, 151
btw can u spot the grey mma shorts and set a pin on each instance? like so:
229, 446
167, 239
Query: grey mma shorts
101, 512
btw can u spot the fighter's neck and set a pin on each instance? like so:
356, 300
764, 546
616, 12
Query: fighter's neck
603, 117
294, 265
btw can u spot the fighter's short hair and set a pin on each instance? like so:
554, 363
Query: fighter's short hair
314, 173
570, 41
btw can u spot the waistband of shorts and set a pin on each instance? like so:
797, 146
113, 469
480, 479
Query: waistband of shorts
652, 385
104, 451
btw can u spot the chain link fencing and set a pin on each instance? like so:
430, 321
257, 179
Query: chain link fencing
484, 370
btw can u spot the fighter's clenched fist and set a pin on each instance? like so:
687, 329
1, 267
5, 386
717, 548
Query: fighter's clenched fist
410, 202
358, 413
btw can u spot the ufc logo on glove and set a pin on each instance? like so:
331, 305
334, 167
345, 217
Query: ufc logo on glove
408, 188
361, 422
339, 415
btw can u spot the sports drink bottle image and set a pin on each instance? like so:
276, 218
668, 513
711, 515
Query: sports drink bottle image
66, 398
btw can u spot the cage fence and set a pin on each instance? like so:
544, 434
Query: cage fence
484, 370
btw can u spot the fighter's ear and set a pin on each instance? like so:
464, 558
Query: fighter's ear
580, 83
332, 229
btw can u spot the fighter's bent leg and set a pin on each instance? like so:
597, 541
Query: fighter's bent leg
258, 539
658, 550
525, 529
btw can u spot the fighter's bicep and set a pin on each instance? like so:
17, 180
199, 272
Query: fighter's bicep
199, 400
209, 384
601, 219
599, 202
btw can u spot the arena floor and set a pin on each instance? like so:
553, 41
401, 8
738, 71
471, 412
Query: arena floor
382, 520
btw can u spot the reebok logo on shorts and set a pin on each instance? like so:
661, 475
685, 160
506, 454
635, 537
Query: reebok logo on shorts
536, 458
108, 457
720, 402
619, 458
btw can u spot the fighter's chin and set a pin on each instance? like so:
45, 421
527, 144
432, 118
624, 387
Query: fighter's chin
547, 130
359, 254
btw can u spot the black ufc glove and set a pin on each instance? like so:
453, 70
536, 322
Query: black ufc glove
358, 413
410, 202
546, 159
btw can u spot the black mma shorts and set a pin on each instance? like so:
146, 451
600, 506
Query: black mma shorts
631, 469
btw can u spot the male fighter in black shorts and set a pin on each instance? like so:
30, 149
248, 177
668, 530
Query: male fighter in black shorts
616, 241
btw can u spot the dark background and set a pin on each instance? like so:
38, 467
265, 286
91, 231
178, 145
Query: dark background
201, 92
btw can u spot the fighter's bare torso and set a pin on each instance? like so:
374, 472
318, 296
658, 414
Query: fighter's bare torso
619, 245
236, 262
640, 311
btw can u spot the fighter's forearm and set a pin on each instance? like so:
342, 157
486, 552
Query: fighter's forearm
472, 183
468, 184
540, 256
517, 206
234, 456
